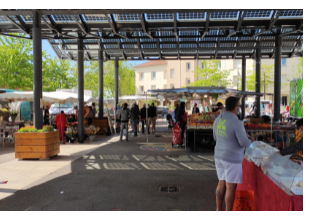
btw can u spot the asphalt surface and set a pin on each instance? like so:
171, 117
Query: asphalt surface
121, 176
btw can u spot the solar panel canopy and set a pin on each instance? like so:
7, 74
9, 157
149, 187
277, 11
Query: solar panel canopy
149, 34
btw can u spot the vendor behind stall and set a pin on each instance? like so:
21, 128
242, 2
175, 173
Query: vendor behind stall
195, 109
60, 123
297, 146
46, 116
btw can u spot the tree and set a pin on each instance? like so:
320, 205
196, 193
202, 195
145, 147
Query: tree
298, 68
16, 63
210, 75
126, 78
57, 74
267, 75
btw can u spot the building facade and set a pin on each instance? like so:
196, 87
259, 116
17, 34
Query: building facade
163, 74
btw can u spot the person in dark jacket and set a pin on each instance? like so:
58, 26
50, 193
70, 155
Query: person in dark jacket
195, 109
182, 119
135, 114
175, 111
124, 114
46, 116
297, 146
143, 113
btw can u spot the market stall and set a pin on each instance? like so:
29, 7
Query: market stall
277, 181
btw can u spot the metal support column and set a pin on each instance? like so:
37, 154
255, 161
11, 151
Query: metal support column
100, 84
116, 84
277, 78
80, 91
37, 66
243, 85
258, 82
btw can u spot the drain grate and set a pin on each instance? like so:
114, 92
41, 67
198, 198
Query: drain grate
173, 156
169, 189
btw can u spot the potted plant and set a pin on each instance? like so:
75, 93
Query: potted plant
33, 143
70, 134
91, 132
13, 114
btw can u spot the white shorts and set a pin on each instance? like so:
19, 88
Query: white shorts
231, 172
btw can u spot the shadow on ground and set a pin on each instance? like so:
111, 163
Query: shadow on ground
120, 176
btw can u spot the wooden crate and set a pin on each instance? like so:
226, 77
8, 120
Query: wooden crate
255, 120
37, 145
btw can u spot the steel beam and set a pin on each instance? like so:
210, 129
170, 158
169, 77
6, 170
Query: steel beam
80, 91
275, 16
277, 78
116, 85
240, 21
26, 31
144, 29
175, 26
243, 85
206, 28
100, 84
37, 66
258, 82
112, 24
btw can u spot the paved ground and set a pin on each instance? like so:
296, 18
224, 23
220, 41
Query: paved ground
120, 176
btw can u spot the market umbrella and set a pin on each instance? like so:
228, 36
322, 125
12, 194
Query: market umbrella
23, 96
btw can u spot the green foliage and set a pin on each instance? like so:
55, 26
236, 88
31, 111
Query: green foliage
211, 75
266, 71
298, 68
126, 81
16, 63
27, 129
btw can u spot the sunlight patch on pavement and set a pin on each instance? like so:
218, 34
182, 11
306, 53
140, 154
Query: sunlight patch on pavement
197, 166
160, 166
121, 166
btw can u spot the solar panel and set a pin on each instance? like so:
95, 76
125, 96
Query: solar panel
63, 18
159, 16
168, 46
187, 39
27, 18
130, 46
258, 14
292, 13
228, 38
187, 51
267, 50
267, 44
111, 46
208, 39
126, 17
169, 52
150, 52
191, 16
187, 46
94, 17
4, 19
148, 40
110, 40
207, 51
189, 33
149, 46
208, 45
224, 15
228, 45
288, 44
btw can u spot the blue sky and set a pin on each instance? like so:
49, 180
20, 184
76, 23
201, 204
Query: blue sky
46, 46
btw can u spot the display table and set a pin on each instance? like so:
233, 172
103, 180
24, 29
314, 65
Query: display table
268, 196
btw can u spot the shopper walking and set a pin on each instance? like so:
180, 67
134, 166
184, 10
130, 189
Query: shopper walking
231, 137
152, 114
143, 114
61, 120
182, 119
135, 115
124, 114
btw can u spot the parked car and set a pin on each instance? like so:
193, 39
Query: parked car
162, 111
